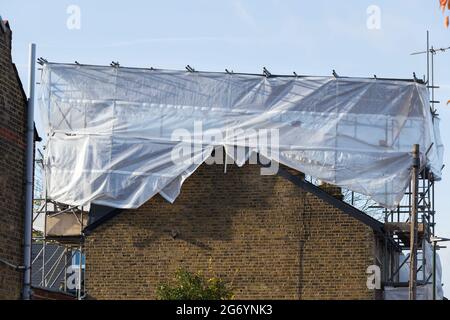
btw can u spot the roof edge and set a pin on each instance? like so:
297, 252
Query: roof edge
348, 209
293, 75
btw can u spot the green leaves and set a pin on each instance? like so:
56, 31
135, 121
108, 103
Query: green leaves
193, 286
445, 4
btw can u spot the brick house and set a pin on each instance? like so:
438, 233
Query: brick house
273, 237
13, 104
13, 127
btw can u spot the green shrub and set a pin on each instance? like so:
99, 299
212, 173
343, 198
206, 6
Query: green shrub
193, 286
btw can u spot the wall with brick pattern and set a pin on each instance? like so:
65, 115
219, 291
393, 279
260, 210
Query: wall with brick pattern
12, 169
262, 233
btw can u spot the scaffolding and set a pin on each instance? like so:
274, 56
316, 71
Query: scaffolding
412, 224
64, 224
62, 267
398, 225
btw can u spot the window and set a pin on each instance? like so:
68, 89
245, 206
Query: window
76, 259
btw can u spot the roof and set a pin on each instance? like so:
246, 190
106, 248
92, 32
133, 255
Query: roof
265, 72
36, 135
54, 266
339, 130
348, 209
4, 26
48, 294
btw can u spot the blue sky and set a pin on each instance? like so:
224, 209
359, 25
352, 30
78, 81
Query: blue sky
309, 37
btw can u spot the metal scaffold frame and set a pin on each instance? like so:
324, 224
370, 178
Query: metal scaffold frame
413, 221
409, 225
58, 263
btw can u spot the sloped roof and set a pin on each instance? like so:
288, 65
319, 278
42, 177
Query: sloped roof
54, 264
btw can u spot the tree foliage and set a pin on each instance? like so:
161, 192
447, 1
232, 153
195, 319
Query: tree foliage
194, 286
445, 5
38, 236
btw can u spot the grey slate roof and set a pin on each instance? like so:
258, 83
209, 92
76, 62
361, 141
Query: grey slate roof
54, 266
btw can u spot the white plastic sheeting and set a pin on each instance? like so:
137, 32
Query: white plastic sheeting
111, 130
402, 293
424, 292
428, 252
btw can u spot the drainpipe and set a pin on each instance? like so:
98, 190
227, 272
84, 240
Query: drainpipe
26, 293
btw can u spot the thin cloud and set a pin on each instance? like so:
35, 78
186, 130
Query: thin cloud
163, 39
243, 14
144, 41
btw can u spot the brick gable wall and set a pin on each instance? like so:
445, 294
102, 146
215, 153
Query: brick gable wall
262, 233
12, 173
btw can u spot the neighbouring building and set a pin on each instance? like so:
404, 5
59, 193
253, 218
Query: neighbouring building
13, 107
49, 266
272, 237
13, 127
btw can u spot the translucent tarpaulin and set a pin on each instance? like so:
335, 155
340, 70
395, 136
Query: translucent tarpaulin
425, 291
113, 132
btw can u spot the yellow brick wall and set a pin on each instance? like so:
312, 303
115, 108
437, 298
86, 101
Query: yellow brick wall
262, 233
12, 173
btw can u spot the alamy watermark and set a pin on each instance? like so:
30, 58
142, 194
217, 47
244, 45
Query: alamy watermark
374, 277
373, 17
73, 278
73, 21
